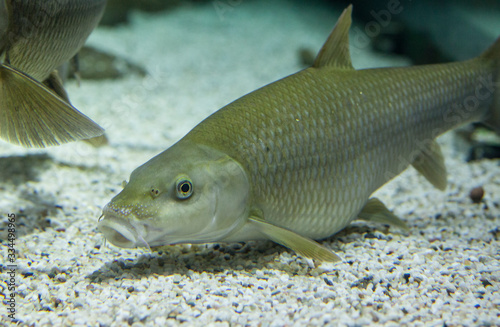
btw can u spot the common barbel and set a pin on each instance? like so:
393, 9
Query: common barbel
297, 160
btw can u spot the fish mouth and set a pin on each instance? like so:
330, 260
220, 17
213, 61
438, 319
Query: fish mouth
120, 232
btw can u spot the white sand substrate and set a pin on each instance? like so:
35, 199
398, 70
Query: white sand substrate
445, 272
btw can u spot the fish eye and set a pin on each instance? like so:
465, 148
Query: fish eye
184, 188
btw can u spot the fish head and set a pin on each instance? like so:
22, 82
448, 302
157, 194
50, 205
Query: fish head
190, 193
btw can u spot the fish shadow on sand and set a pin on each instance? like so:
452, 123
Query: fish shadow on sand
209, 258
31, 208
17, 170
219, 258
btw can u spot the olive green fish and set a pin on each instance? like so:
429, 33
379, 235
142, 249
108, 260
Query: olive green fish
36, 37
298, 159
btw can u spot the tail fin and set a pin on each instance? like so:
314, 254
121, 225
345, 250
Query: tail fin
32, 115
493, 55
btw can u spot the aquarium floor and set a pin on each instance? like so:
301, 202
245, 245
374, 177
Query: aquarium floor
444, 272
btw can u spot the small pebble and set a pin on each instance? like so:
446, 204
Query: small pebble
476, 194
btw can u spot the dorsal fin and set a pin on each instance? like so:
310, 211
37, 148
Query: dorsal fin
335, 51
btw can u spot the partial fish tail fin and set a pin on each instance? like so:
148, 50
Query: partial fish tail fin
493, 55
32, 115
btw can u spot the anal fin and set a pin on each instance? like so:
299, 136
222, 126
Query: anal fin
302, 245
376, 211
31, 115
430, 163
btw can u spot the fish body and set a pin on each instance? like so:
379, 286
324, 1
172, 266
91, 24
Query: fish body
36, 38
42, 35
297, 160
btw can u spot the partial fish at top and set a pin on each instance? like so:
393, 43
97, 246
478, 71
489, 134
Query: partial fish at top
36, 37
298, 159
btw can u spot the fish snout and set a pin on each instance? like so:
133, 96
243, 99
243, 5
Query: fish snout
122, 227
119, 210
118, 232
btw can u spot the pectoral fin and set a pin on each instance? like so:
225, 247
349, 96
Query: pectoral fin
430, 163
300, 244
32, 116
374, 210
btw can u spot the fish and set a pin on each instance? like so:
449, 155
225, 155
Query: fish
37, 37
297, 160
